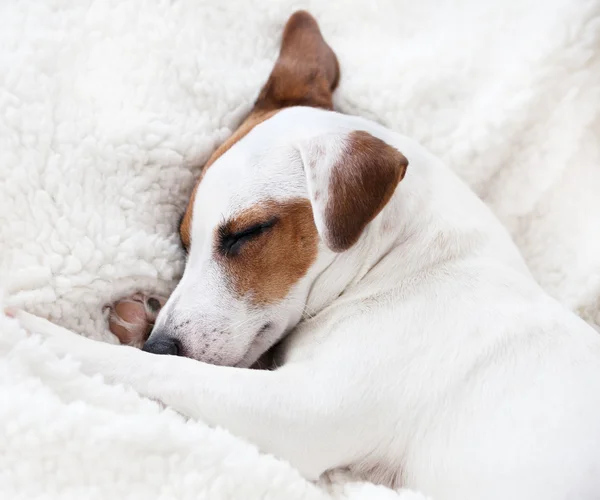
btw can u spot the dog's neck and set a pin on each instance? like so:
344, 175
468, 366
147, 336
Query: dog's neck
422, 227
386, 236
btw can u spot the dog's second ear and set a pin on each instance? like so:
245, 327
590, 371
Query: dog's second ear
306, 72
350, 178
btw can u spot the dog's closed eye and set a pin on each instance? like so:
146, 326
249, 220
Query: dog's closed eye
230, 243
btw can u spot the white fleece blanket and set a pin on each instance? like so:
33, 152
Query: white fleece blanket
108, 108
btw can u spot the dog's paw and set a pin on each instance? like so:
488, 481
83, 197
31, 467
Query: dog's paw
131, 319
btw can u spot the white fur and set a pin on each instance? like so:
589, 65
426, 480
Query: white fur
434, 363
108, 109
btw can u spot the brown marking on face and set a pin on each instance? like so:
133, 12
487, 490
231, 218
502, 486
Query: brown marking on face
265, 267
247, 125
305, 74
362, 182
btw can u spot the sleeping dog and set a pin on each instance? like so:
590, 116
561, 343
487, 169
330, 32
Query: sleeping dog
410, 343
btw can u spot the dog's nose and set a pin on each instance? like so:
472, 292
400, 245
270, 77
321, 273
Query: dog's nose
163, 344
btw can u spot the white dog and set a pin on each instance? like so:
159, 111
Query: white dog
411, 343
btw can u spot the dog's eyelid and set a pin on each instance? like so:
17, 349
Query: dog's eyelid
228, 241
254, 228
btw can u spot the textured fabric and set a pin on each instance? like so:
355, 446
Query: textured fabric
109, 108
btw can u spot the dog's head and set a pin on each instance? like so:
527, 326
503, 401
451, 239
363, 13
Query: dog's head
274, 205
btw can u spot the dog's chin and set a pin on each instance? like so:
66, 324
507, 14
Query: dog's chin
255, 355
266, 337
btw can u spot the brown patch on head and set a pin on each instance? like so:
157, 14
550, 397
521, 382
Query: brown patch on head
247, 125
267, 264
307, 70
305, 74
362, 182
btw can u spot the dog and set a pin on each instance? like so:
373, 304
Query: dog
410, 343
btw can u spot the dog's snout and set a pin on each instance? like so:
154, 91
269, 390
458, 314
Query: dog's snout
163, 344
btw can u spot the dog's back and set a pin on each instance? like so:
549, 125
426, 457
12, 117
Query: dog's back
477, 383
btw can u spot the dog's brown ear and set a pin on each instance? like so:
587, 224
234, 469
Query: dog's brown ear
350, 178
306, 72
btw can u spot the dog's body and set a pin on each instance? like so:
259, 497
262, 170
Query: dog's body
413, 347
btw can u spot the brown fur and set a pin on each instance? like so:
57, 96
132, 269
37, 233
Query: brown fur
305, 74
267, 267
362, 182
247, 125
